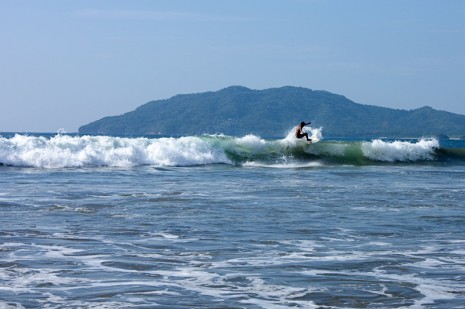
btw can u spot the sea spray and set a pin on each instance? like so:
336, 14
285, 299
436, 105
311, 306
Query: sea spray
184, 151
400, 151
292, 140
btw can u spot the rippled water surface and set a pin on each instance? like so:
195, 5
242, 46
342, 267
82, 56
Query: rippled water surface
226, 236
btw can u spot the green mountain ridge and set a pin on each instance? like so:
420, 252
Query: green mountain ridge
238, 111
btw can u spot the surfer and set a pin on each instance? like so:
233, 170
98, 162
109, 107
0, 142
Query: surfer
299, 133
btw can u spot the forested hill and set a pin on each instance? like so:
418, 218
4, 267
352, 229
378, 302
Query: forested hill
272, 112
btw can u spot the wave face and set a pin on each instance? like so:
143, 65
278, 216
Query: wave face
63, 151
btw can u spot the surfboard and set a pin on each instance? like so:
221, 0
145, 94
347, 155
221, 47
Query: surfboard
314, 140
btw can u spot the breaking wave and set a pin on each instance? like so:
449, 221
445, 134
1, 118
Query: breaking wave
64, 151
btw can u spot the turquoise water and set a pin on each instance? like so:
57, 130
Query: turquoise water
230, 222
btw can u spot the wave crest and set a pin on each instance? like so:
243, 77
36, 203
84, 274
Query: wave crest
400, 151
80, 151
62, 151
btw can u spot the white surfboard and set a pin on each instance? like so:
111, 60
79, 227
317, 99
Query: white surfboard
313, 140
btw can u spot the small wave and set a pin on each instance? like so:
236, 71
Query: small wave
400, 151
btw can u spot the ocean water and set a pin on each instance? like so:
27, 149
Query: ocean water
231, 222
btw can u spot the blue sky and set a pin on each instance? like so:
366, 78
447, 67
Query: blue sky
66, 63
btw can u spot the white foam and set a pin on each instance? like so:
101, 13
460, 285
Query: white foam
269, 295
10, 305
61, 151
254, 142
284, 165
77, 151
400, 150
219, 277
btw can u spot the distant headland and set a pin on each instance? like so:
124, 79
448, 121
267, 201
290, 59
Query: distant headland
273, 112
